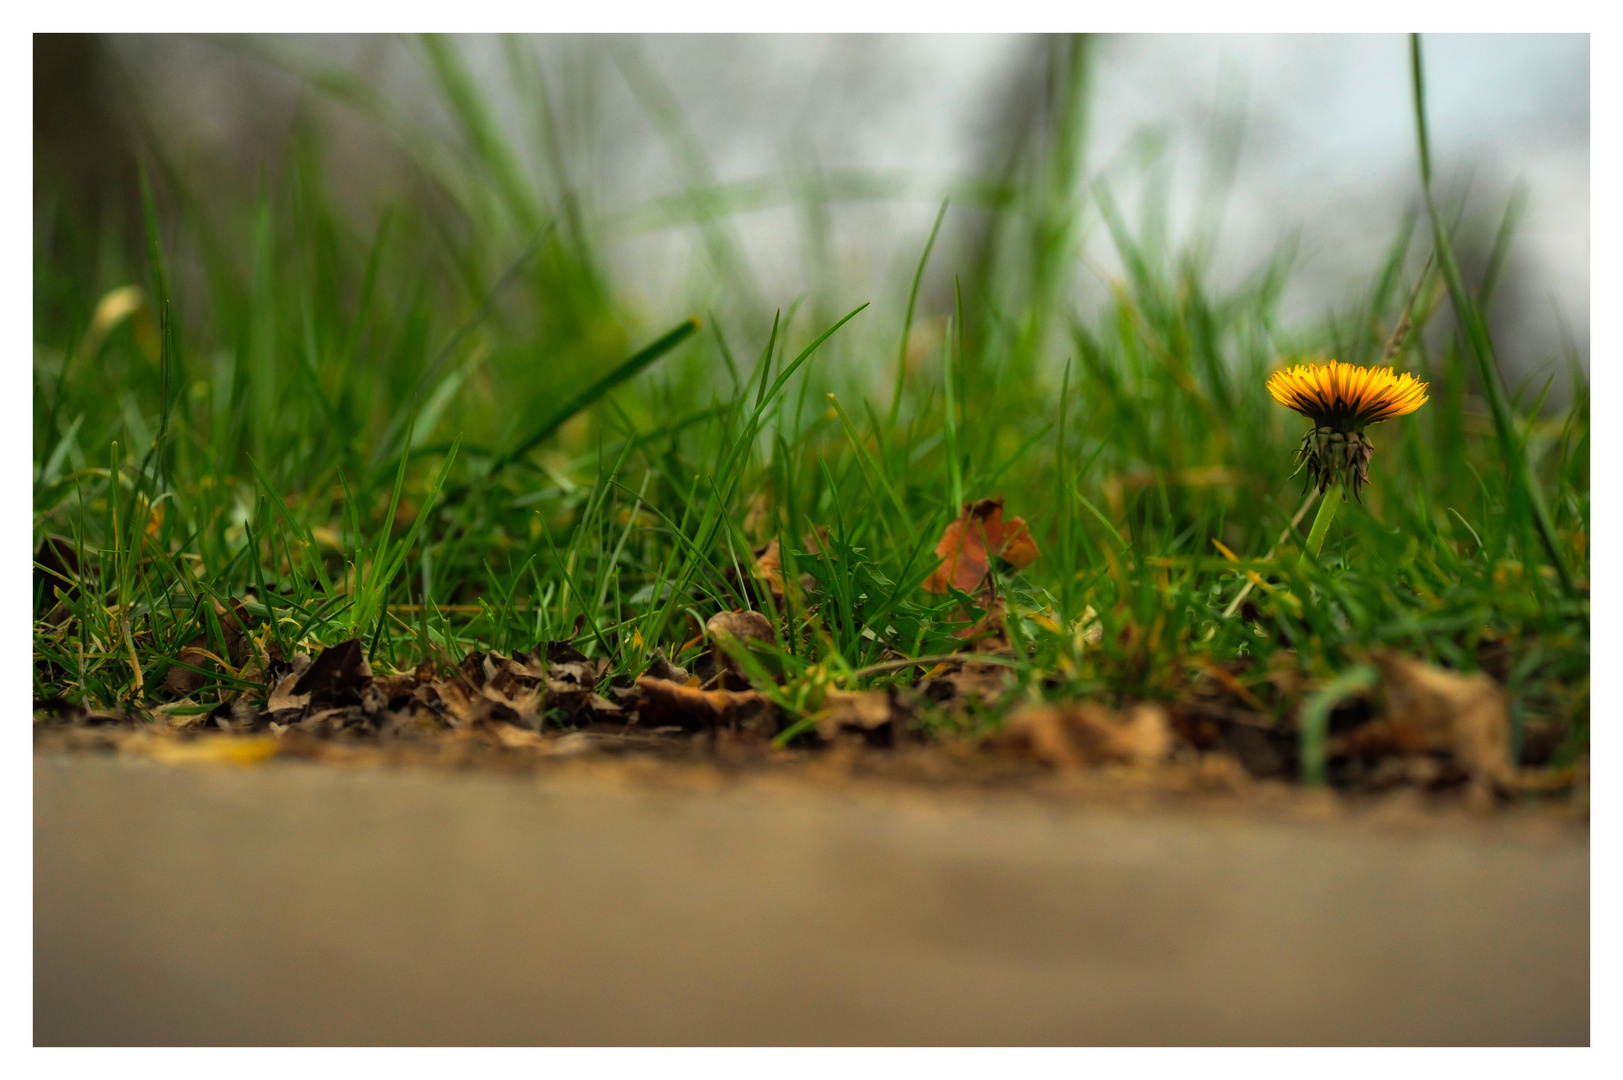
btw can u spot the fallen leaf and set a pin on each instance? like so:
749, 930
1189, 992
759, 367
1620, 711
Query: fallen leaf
769, 567
213, 750
1079, 734
339, 672
723, 669
661, 702
661, 668
740, 625
238, 647
1430, 710
968, 545
282, 696
873, 714
955, 683
516, 738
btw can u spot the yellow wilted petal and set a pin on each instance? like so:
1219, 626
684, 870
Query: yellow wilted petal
215, 750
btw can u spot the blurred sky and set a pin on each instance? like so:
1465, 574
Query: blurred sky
1327, 150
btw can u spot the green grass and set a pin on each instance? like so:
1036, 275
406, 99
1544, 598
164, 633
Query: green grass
449, 429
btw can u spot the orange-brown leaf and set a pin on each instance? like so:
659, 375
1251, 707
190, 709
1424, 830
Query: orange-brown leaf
968, 545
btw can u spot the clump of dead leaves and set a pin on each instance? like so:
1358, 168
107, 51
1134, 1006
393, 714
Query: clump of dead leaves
1419, 726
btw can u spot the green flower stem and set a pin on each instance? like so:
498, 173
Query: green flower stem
1328, 506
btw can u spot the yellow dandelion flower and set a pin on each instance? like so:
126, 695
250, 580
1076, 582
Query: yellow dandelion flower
1346, 397
1341, 400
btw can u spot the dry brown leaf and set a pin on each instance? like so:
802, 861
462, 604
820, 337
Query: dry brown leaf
1430, 710
734, 627
660, 702
238, 645
516, 738
968, 545
871, 713
740, 625
456, 700
769, 567
340, 673
957, 682
1080, 734
282, 696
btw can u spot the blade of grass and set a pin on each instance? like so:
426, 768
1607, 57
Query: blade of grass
1475, 331
907, 320
622, 371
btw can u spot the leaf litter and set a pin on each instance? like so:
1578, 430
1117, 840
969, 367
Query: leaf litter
1419, 727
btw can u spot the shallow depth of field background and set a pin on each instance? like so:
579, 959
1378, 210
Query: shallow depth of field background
1290, 136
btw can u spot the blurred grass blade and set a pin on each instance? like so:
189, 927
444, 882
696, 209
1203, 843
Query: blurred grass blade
907, 319
1313, 723
805, 354
479, 127
1476, 336
617, 375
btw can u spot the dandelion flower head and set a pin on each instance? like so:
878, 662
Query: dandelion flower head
1346, 397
